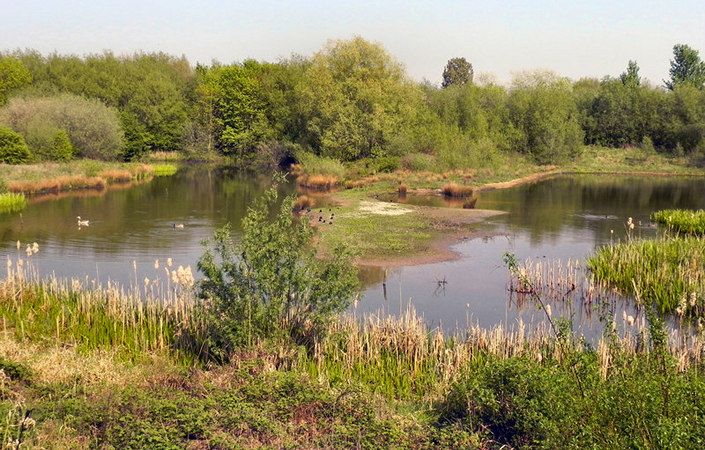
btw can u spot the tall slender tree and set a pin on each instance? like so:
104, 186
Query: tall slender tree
686, 67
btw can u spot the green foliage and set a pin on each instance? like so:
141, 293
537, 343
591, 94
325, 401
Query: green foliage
630, 77
150, 91
321, 165
458, 71
15, 371
13, 149
92, 128
13, 75
527, 404
686, 67
681, 221
668, 271
11, 202
355, 98
48, 143
542, 109
271, 284
164, 170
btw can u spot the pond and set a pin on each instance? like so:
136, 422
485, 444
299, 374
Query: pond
563, 218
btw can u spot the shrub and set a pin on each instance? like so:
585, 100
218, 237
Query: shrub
320, 165
47, 142
13, 149
419, 162
271, 284
93, 128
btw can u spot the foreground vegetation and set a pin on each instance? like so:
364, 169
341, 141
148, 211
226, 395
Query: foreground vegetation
259, 355
10, 202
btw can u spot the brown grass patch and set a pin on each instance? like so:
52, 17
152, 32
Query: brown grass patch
116, 175
402, 190
456, 190
62, 183
302, 202
317, 182
470, 203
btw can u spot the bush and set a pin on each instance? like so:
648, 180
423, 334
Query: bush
13, 149
270, 285
320, 165
93, 128
419, 161
48, 143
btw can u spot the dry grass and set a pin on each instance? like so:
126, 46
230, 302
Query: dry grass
470, 203
317, 182
456, 190
302, 202
402, 189
62, 183
116, 175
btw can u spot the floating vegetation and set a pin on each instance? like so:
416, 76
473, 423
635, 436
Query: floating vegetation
164, 170
11, 202
681, 221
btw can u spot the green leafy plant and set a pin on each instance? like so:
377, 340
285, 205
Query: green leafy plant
271, 284
13, 149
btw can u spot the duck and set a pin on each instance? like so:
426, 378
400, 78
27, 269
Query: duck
177, 225
83, 223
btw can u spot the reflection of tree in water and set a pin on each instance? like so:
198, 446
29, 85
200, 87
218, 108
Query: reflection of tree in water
140, 217
597, 203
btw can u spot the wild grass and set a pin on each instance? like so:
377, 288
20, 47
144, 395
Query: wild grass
319, 165
12, 202
164, 170
165, 156
681, 221
95, 317
456, 190
78, 174
671, 271
317, 182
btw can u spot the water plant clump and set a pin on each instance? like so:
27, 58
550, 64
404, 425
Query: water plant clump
164, 170
671, 271
681, 221
11, 202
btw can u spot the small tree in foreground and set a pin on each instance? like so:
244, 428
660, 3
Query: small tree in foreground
270, 284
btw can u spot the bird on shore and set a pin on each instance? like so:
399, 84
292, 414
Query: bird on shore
177, 225
83, 223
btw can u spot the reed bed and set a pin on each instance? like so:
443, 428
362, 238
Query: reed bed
681, 221
12, 202
164, 170
671, 271
61, 183
456, 190
92, 316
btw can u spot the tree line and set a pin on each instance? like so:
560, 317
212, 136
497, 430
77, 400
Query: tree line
350, 100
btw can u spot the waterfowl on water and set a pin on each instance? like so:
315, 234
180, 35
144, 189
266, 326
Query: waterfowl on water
83, 223
177, 225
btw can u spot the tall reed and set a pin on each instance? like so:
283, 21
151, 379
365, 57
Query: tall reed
11, 202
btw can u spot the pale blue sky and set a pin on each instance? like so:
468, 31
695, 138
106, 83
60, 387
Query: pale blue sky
575, 38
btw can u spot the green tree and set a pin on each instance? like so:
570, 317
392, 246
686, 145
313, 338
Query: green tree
13, 149
631, 77
458, 71
544, 112
355, 99
271, 284
13, 74
686, 67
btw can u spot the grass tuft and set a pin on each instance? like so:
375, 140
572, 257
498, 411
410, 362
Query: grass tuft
681, 221
11, 202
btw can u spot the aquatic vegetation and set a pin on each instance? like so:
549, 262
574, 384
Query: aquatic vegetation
164, 170
116, 175
317, 182
12, 202
302, 202
61, 183
456, 190
402, 189
681, 221
669, 271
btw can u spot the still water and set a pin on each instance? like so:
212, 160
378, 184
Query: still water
560, 218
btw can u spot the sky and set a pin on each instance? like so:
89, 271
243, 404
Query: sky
574, 38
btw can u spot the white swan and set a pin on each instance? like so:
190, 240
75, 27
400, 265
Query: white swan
83, 223
177, 225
